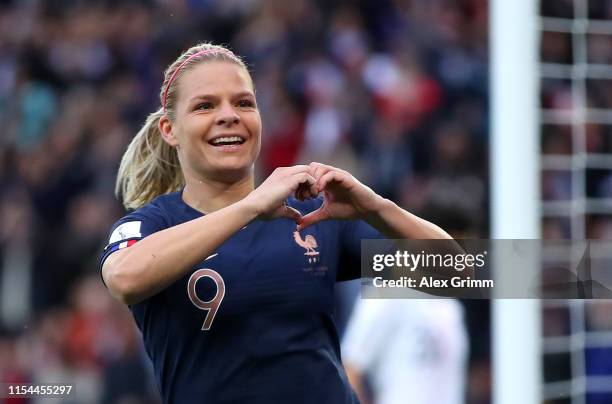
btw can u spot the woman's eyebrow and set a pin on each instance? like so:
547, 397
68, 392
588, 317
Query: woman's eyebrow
214, 97
244, 94
202, 97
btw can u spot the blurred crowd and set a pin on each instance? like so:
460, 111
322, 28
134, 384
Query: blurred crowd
563, 95
395, 91
567, 140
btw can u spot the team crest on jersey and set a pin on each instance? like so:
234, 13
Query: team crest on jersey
125, 231
308, 243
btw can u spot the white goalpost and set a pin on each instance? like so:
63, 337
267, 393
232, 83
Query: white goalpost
515, 195
520, 348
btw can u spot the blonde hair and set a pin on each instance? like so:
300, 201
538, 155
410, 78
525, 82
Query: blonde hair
150, 167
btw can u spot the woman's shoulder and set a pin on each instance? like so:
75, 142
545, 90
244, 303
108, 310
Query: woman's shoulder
165, 201
159, 208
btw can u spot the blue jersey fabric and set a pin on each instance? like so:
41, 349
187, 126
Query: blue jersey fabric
273, 338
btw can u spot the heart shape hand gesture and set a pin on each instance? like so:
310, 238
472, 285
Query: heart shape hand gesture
344, 197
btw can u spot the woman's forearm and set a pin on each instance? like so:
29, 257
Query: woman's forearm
155, 262
158, 260
396, 223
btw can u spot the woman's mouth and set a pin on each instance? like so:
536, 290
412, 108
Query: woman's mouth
227, 141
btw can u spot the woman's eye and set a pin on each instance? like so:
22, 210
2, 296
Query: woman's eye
205, 105
246, 104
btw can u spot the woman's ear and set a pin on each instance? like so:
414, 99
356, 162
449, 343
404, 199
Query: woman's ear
165, 127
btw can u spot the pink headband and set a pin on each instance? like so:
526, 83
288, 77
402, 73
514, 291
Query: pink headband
178, 69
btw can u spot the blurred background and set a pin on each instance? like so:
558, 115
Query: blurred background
394, 91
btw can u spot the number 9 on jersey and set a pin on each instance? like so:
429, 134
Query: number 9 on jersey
212, 305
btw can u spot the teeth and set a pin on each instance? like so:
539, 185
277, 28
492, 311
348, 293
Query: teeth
227, 139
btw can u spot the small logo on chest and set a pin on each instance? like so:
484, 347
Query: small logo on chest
309, 243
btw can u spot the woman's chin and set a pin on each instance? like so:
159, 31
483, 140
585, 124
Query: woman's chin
231, 172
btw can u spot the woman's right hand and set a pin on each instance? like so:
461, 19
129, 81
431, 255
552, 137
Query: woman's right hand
268, 200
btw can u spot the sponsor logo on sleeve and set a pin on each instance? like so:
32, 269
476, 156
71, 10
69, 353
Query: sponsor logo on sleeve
126, 231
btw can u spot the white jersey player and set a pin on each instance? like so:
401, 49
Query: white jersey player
413, 350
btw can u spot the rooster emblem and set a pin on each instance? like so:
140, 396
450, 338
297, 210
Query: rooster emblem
308, 243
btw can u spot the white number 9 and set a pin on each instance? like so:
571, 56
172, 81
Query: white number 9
212, 305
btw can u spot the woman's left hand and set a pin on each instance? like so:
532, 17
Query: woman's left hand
344, 197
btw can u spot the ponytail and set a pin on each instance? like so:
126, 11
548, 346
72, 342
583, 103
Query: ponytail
149, 167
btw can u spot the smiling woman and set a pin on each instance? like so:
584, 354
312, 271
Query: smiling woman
232, 285
195, 96
216, 128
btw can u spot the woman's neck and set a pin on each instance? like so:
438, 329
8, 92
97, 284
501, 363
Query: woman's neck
208, 195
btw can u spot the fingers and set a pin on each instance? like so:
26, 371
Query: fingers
314, 217
289, 171
306, 187
328, 177
325, 173
290, 213
283, 182
301, 180
318, 169
307, 181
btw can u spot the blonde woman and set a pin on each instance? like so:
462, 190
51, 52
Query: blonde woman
230, 284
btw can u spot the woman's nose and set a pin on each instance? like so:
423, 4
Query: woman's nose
227, 115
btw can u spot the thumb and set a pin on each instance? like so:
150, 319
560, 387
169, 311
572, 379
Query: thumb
314, 217
289, 213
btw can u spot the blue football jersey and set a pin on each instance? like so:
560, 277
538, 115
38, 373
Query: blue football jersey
253, 322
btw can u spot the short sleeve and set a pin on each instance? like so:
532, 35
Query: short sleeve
352, 232
131, 228
367, 332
